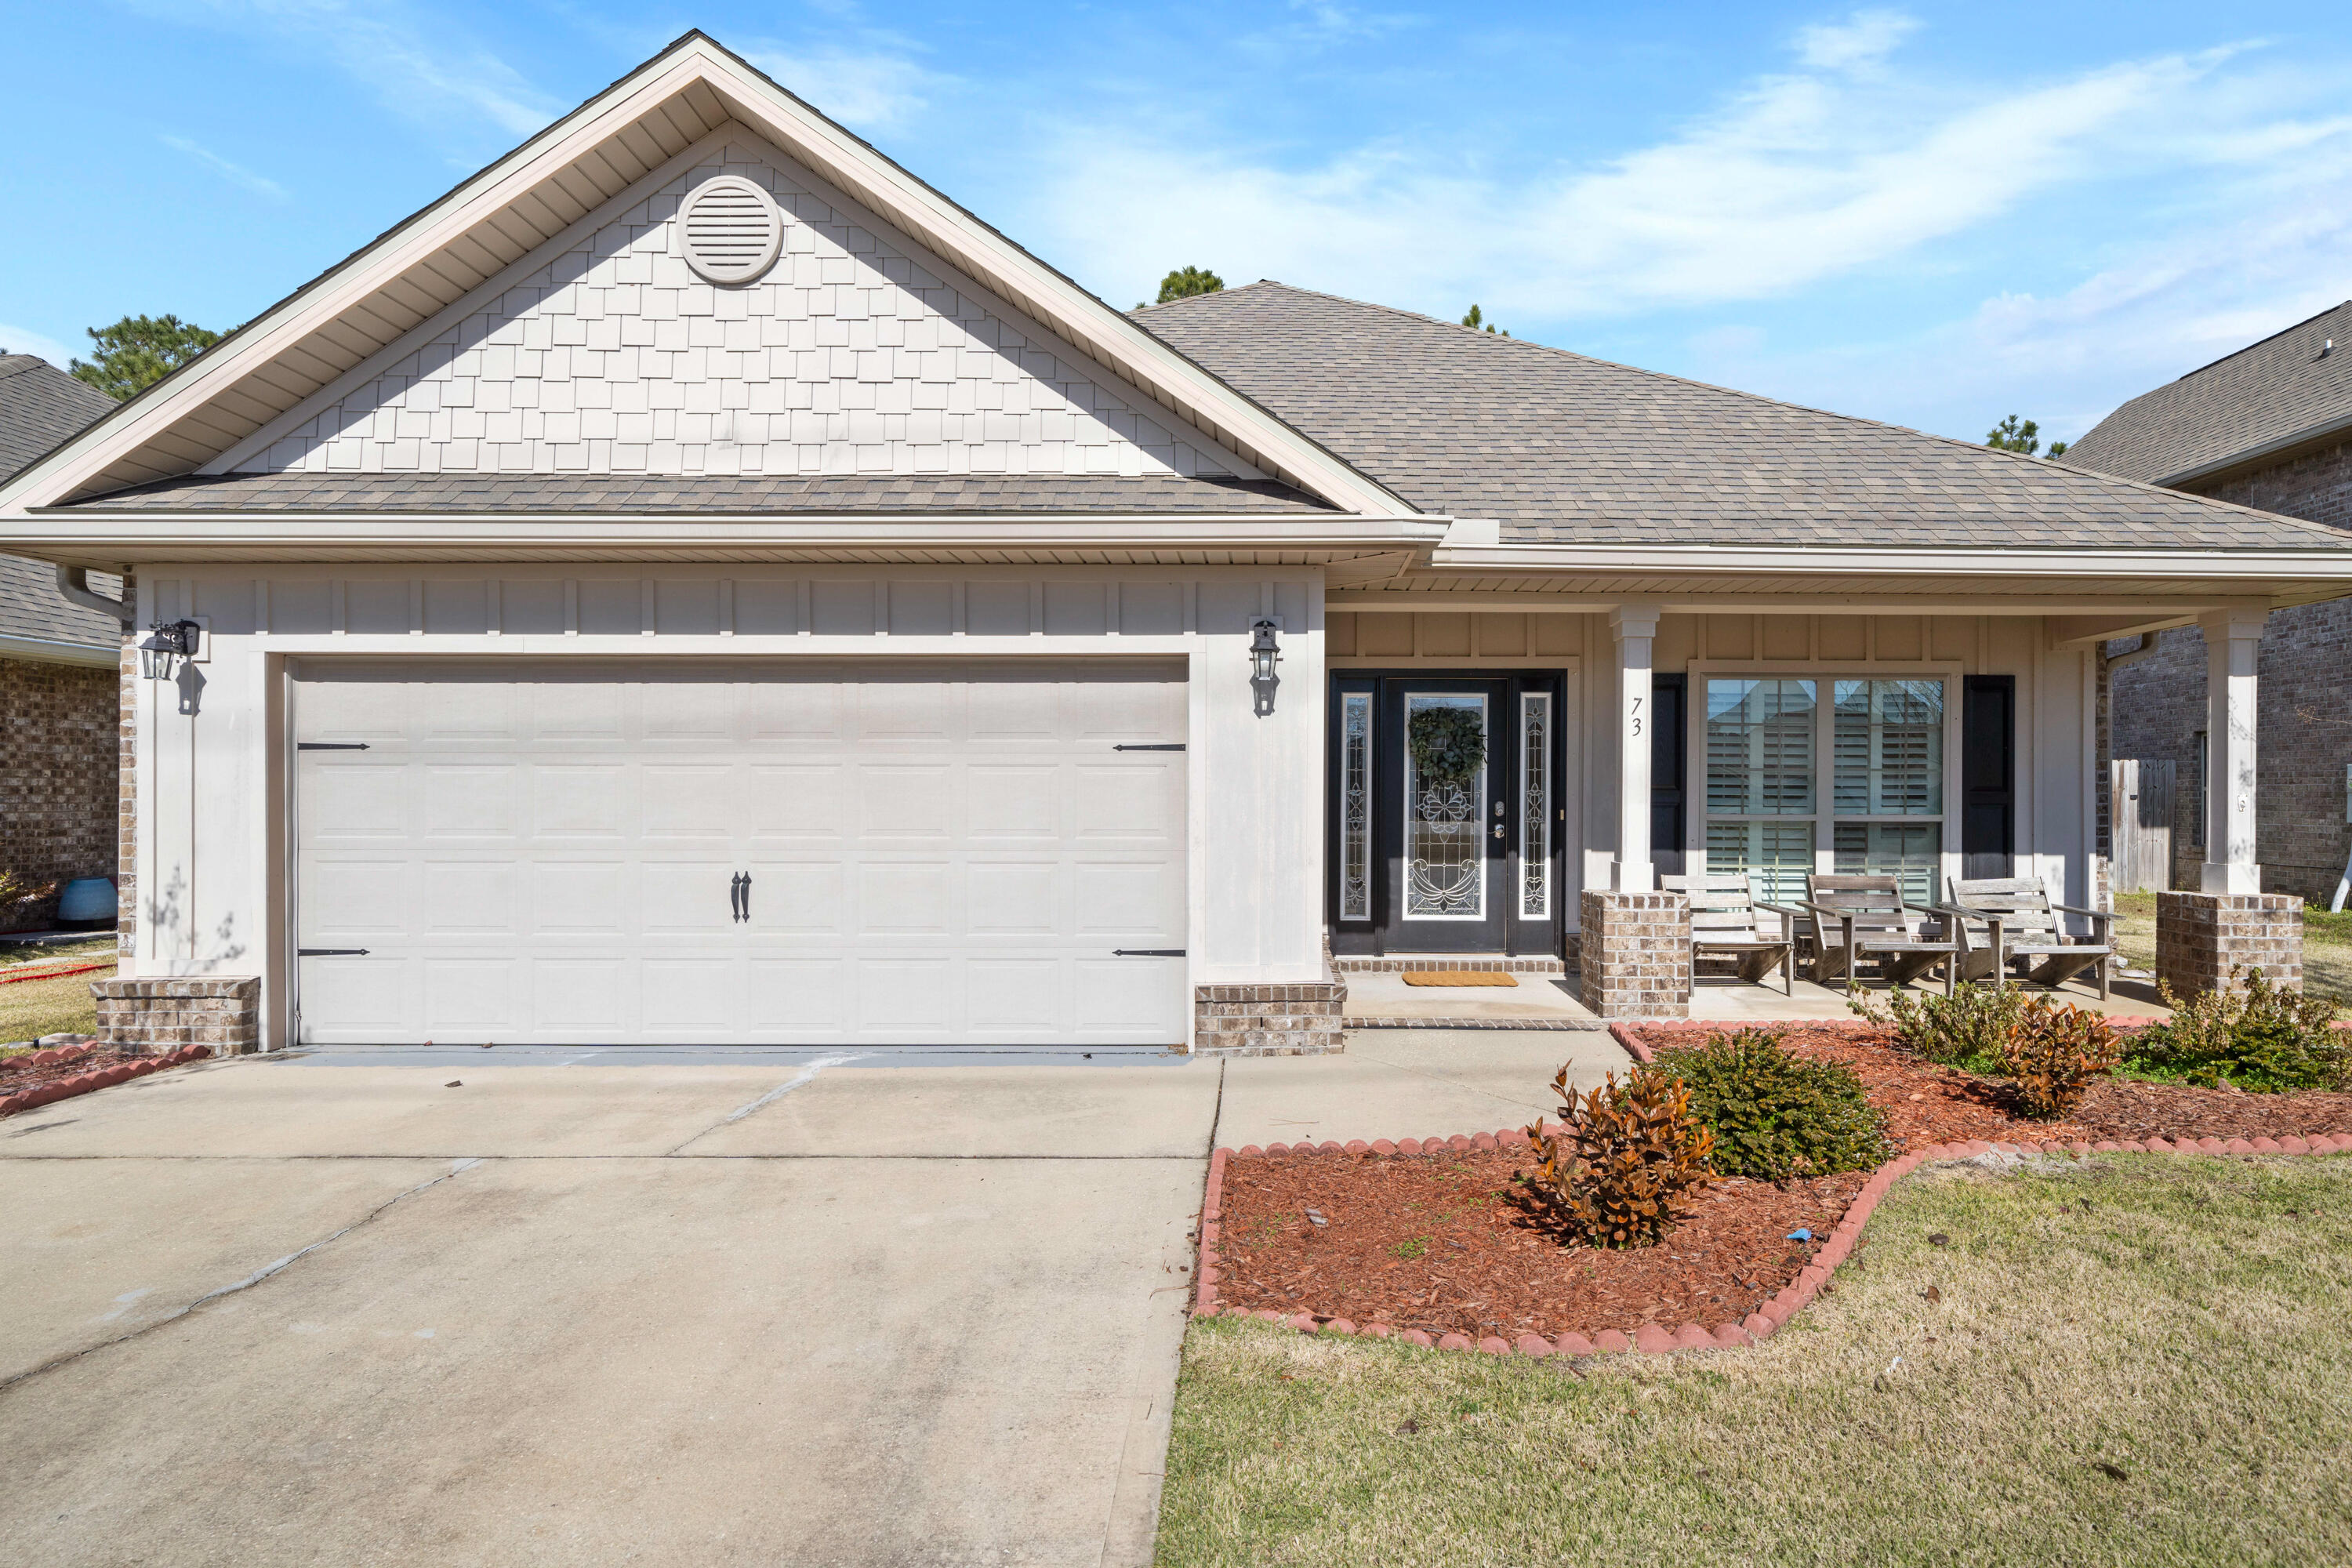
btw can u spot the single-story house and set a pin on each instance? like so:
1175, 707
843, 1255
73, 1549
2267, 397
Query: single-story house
694, 582
2268, 427
58, 689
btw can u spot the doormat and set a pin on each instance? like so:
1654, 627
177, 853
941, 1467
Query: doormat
1457, 977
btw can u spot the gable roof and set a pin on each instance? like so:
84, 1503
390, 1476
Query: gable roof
433, 259
1561, 449
2267, 398
41, 406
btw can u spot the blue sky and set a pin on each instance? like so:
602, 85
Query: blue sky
1933, 215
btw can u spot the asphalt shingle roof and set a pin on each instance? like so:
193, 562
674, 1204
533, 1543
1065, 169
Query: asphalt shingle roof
2266, 394
759, 495
1563, 448
41, 406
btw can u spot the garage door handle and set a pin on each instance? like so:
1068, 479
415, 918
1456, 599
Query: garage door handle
1147, 953
331, 952
739, 895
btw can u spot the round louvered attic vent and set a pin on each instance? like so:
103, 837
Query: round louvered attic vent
730, 231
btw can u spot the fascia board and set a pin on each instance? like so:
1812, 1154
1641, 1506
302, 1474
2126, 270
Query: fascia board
761, 105
1895, 560
124, 535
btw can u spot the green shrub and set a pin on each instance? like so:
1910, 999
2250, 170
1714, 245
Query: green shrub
1617, 1173
2055, 1052
1969, 1029
2260, 1038
1775, 1115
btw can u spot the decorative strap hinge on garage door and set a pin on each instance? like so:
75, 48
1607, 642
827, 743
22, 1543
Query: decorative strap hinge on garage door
331, 952
1150, 746
1147, 953
330, 745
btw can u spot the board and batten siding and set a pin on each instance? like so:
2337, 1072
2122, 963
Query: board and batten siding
211, 783
2056, 782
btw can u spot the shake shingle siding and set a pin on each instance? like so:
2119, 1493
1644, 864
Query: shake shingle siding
1561, 449
710, 494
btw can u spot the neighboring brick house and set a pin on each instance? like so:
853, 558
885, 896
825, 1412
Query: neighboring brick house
58, 702
2269, 427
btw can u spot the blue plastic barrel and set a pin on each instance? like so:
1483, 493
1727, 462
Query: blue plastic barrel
87, 899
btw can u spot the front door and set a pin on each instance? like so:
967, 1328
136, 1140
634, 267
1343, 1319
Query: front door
1445, 813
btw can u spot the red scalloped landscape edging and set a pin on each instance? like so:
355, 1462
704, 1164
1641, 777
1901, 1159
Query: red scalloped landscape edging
104, 1078
1760, 1324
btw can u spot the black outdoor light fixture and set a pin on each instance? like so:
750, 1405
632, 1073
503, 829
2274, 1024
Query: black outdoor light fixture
168, 642
1264, 654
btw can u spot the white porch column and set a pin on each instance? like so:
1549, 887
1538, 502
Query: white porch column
2232, 639
1635, 627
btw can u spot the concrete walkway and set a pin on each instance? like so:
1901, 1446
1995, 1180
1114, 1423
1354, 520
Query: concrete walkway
748, 1307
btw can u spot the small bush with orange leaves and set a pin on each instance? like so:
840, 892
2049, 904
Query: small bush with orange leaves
1619, 1171
2055, 1052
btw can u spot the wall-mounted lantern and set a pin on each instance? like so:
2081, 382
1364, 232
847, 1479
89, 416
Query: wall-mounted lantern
167, 643
1264, 654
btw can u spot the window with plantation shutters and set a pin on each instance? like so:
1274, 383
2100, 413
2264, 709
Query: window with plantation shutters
729, 230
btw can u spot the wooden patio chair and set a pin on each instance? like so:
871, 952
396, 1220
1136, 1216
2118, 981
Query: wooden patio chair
1723, 925
2015, 919
1858, 919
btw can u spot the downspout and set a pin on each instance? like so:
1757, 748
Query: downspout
2114, 661
73, 582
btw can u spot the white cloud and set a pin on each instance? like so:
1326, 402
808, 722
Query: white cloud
18, 340
1861, 40
423, 66
872, 90
1797, 179
236, 173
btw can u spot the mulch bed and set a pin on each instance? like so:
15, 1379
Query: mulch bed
1431, 1242
1439, 1242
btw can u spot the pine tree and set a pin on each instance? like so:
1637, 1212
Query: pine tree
138, 351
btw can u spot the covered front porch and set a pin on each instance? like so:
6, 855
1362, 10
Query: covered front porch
1527, 776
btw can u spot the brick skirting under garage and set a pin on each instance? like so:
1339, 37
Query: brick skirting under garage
220, 1011
1296, 1019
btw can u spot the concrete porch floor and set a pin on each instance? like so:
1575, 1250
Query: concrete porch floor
1552, 1000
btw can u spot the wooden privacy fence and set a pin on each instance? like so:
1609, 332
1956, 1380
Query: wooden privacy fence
2140, 791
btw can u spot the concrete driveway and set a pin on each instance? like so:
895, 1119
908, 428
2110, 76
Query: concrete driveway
752, 1307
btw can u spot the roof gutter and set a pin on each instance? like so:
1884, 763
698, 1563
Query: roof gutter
2332, 563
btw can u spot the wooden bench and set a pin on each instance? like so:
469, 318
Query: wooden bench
1724, 924
1859, 919
2011, 918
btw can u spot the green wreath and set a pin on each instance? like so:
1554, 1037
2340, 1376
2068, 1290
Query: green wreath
1448, 743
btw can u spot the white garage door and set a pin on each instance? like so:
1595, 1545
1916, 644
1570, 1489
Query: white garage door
803, 852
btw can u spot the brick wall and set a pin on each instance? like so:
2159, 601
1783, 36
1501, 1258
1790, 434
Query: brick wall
2304, 734
1635, 958
58, 763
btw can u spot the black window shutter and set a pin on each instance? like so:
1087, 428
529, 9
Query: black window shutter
1668, 733
1988, 776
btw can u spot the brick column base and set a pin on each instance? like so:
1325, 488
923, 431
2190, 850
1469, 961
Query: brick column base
1300, 1018
2201, 937
220, 1011
1635, 955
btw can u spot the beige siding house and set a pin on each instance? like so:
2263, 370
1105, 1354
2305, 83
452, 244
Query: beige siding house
696, 582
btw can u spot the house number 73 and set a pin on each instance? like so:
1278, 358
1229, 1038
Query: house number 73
1637, 715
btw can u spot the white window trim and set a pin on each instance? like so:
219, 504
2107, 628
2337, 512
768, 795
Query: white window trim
1824, 673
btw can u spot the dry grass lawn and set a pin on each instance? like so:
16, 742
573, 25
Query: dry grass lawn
31, 1009
2141, 1359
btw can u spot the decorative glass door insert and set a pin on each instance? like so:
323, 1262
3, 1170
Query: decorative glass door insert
1445, 792
1356, 806
1535, 806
